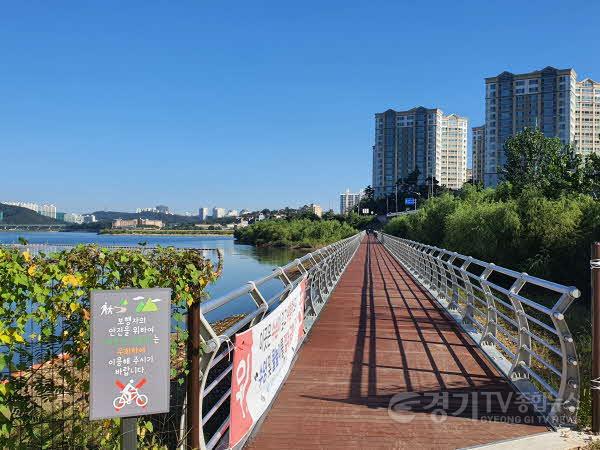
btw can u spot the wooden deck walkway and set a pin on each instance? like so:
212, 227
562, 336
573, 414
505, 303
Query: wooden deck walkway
380, 335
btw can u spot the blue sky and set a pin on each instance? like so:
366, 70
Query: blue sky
118, 105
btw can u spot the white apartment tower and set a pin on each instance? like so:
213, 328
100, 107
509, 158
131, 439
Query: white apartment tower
203, 213
451, 155
419, 139
218, 213
48, 210
348, 201
587, 117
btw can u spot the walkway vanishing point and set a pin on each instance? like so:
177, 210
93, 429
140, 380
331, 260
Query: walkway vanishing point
380, 335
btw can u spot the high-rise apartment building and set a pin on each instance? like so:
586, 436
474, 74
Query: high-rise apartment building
423, 139
218, 213
587, 117
316, 209
451, 156
203, 213
29, 205
543, 99
478, 161
48, 211
348, 201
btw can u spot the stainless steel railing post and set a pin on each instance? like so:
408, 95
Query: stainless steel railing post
522, 355
521, 337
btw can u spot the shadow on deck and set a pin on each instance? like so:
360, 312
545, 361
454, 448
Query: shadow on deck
385, 367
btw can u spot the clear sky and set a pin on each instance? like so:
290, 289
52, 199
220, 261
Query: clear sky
246, 104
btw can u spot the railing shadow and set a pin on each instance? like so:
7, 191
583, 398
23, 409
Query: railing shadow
415, 318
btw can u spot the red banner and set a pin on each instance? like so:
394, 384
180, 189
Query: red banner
262, 358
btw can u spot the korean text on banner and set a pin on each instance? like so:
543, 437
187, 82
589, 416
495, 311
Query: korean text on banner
262, 358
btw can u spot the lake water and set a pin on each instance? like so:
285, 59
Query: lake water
241, 263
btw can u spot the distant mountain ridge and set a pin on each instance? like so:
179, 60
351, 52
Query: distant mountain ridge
16, 215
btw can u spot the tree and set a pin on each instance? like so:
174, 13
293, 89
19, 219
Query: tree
432, 187
534, 160
412, 180
368, 199
329, 215
591, 176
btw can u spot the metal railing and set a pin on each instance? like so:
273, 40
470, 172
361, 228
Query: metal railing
323, 269
518, 320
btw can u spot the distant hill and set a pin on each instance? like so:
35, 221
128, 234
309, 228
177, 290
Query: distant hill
15, 215
109, 216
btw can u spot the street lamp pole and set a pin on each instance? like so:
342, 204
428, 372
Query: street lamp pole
595, 277
417, 194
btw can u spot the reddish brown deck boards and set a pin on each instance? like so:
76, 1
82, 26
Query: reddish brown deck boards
381, 335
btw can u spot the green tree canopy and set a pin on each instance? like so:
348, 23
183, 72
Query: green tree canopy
534, 160
591, 176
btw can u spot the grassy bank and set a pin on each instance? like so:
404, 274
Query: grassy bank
301, 233
170, 232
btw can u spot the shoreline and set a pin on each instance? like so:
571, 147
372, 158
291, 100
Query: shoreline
3, 230
283, 247
210, 233
191, 233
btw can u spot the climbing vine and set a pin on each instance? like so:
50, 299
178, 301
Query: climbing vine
44, 335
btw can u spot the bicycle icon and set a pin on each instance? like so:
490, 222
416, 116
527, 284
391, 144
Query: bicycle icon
129, 394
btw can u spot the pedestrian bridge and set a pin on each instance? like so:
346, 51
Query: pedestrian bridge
406, 346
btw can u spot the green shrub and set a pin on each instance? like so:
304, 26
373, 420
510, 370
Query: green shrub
428, 225
398, 226
551, 229
360, 222
488, 231
45, 304
300, 233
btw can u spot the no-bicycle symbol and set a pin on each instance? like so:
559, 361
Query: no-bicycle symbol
130, 330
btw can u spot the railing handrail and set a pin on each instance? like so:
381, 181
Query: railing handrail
323, 268
571, 290
522, 337
213, 304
